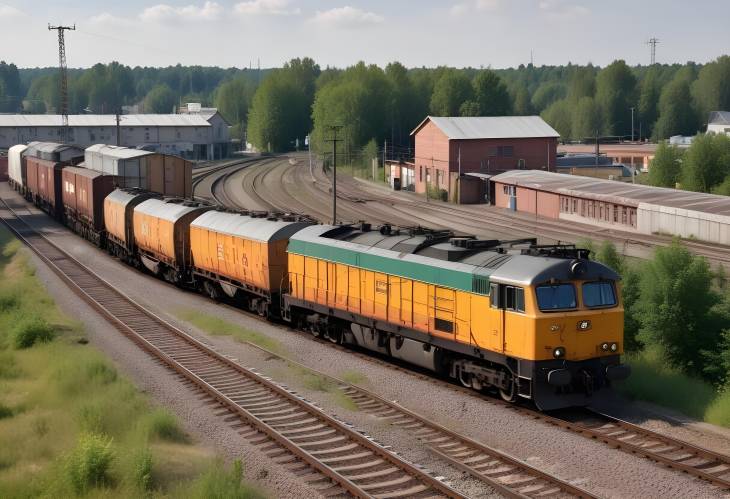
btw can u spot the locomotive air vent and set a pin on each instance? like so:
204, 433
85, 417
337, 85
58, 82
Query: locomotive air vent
365, 227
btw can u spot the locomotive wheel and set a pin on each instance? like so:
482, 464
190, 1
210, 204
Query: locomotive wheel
510, 394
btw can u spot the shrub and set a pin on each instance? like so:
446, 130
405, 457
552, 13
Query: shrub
218, 482
163, 425
5, 411
719, 411
9, 300
27, 332
142, 469
91, 418
89, 463
100, 372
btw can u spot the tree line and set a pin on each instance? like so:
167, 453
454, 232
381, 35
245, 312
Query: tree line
272, 108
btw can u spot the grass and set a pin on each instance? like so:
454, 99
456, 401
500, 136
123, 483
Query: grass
319, 383
219, 327
354, 377
653, 381
70, 424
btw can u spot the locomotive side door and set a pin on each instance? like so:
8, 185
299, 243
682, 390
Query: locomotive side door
495, 324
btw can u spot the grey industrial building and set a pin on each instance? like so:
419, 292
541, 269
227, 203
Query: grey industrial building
201, 136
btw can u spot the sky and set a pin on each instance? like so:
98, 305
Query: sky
459, 33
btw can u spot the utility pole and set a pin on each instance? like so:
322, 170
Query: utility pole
118, 117
334, 140
63, 77
652, 43
385, 149
632, 123
458, 191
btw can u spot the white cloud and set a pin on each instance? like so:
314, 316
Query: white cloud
563, 10
8, 11
460, 9
349, 17
209, 11
266, 7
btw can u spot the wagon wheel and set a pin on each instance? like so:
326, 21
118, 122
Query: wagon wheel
510, 393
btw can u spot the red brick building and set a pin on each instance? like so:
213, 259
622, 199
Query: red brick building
448, 146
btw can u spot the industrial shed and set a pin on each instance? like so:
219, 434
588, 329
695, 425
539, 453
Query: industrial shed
616, 205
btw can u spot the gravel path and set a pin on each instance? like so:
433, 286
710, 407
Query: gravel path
605, 472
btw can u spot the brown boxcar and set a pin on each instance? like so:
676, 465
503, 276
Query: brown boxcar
49, 194
118, 217
170, 175
162, 235
3, 168
83, 193
242, 254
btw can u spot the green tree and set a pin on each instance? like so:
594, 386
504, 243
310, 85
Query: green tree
161, 99
369, 152
582, 83
278, 107
547, 93
616, 93
559, 116
676, 308
233, 100
707, 162
357, 99
711, 90
521, 99
676, 114
405, 109
649, 101
666, 167
586, 118
450, 92
491, 94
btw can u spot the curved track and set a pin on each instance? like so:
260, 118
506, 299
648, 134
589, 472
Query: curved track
295, 432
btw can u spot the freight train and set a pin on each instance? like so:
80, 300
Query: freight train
529, 322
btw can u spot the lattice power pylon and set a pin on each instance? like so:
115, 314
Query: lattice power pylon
63, 77
652, 42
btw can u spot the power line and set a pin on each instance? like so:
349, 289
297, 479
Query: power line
63, 77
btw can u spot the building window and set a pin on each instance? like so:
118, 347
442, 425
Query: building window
615, 213
521, 164
420, 173
624, 216
575, 206
492, 152
507, 151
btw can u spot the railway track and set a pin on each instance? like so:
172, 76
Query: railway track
328, 454
614, 432
506, 474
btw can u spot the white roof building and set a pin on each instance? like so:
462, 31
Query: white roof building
194, 136
719, 122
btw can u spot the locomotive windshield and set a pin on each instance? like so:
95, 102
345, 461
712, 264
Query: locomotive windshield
551, 297
598, 294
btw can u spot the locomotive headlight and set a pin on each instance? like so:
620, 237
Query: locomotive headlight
614, 347
559, 353
604, 347
584, 325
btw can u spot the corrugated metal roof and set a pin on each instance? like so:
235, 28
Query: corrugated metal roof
491, 127
165, 209
84, 172
257, 229
103, 120
615, 192
117, 152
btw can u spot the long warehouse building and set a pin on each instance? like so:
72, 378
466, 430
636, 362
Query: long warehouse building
192, 136
614, 205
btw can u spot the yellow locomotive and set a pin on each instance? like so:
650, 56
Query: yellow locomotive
536, 322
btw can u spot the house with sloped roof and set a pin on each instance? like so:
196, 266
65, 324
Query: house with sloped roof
449, 148
192, 136
719, 122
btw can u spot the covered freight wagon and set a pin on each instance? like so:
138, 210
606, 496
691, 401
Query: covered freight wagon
118, 221
135, 168
242, 254
162, 235
16, 170
44, 162
83, 193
